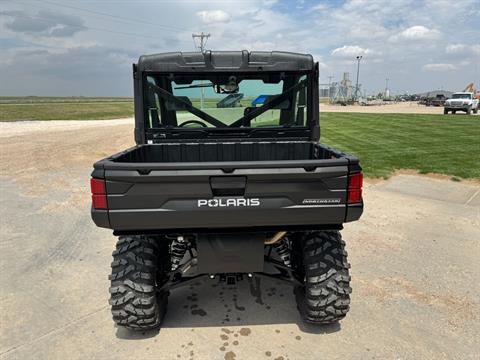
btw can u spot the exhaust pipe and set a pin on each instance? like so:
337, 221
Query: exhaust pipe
275, 238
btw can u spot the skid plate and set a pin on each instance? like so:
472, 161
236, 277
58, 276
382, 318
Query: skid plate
230, 253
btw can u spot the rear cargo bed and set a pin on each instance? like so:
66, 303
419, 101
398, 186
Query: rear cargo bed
208, 186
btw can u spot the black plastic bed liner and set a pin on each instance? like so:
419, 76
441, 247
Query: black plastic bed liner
212, 152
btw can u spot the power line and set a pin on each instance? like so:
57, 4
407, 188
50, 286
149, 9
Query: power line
84, 27
117, 17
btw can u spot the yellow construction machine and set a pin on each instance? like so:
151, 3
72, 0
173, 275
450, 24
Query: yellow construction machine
471, 88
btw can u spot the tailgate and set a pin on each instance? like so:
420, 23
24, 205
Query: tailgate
211, 198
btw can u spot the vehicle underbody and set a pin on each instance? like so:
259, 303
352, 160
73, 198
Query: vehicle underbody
184, 258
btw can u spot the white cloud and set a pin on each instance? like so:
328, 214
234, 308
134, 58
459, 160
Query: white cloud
419, 32
320, 7
348, 51
439, 67
45, 23
463, 49
455, 48
213, 16
259, 45
269, 2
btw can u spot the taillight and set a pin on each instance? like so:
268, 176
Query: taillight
99, 196
355, 183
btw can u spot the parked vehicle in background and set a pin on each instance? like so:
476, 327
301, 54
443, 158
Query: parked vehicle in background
434, 97
462, 101
438, 100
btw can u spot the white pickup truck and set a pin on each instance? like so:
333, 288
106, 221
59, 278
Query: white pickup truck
461, 101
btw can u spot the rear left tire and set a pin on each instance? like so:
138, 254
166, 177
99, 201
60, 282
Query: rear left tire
139, 267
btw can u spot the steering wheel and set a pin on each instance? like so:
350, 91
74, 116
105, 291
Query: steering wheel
188, 122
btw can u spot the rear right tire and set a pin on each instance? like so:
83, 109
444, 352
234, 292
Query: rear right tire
139, 267
445, 111
325, 296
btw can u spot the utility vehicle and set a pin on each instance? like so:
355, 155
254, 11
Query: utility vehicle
226, 191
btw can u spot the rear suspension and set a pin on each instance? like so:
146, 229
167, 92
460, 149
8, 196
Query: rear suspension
178, 248
283, 251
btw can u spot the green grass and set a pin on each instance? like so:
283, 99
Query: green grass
387, 142
64, 108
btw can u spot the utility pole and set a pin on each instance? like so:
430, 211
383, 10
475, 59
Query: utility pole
387, 92
358, 72
329, 87
203, 41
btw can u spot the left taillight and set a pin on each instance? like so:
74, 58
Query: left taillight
355, 184
99, 195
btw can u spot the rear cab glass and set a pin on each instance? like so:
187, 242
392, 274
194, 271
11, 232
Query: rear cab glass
225, 100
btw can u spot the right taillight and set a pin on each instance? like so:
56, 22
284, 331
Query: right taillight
99, 195
355, 183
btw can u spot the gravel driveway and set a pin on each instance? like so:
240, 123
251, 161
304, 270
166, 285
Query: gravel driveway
414, 254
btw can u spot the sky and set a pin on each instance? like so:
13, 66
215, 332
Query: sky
86, 47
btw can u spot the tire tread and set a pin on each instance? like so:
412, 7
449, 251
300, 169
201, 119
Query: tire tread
135, 303
325, 297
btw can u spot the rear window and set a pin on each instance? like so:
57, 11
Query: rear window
226, 100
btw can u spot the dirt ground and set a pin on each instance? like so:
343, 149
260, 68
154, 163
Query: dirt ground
408, 107
414, 255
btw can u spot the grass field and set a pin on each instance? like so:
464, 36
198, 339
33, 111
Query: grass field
64, 108
387, 142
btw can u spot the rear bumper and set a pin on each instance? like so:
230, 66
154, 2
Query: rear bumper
100, 218
159, 220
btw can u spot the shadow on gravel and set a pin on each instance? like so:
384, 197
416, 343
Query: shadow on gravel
210, 303
126, 334
319, 329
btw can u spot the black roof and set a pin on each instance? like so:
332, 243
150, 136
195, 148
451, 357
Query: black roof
226, 61
434, 93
